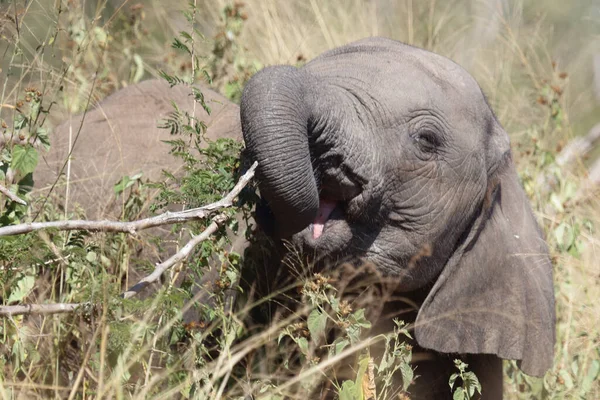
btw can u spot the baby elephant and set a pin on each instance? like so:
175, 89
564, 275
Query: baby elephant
390, 154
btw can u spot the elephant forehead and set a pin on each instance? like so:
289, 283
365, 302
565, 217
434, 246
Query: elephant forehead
392, 73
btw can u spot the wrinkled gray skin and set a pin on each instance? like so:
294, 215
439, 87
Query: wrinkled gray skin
405, 143
121, 137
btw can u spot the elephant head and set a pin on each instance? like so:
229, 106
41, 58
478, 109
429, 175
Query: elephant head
391, 154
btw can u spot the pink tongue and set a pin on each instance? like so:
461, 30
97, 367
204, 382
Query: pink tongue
326, 207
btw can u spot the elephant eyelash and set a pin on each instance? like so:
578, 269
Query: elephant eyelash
428, 140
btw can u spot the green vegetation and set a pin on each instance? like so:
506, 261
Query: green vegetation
533, 61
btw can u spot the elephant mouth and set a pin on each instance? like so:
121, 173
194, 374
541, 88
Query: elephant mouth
328, 211
331, 230
337, 194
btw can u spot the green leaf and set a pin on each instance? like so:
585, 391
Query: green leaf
452, 379
22, 288
555, 201
91, 257
24, 159
303, 345
122, 185
575, 366
232, 275
186, 36
100, 34
19, 122
349, 391
359, 318
590, 377
459, 394
126, 182
42, 135
353, 332
179, 45
317, 322
139, 68
407, 375
341, 345
472, 383
199, 97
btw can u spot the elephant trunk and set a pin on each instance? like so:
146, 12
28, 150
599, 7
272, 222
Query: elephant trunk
275, 114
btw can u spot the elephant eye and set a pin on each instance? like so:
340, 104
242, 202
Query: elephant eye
427, 140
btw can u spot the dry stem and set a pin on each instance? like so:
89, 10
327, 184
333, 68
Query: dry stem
167, 218
11, 195
132, 227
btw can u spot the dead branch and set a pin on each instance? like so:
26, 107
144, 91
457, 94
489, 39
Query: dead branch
11, 195
578, 147
132, 227
60, 308
176, 258
56, 308
574, 151
167, 218
594, 173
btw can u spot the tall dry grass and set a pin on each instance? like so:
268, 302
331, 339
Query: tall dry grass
515, 50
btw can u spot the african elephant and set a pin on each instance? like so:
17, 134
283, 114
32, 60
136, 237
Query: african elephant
121, 137
378, 150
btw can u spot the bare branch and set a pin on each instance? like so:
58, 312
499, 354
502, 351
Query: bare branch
574, 151
56, 308
11, 195
134, 226
578, 147
167, 218
60, 308
594, 173
176, 258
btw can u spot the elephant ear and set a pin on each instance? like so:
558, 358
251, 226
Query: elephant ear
496, 294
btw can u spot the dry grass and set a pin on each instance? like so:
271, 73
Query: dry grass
515, 49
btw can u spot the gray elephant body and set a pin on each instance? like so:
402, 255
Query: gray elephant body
121, 137
390, 154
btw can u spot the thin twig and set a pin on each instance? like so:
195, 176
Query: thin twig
56, 308
183, 253
86, 358
59, 308
578, 147
11, 195
176, 258
134, 226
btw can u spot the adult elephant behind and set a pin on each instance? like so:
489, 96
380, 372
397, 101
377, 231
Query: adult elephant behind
387, 153
121, 137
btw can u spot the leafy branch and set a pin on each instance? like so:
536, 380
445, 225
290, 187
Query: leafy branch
131, 227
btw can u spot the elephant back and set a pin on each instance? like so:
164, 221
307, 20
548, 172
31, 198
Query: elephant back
121, 137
